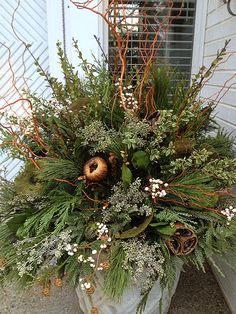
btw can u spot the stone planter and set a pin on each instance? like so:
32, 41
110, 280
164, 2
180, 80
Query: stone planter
130, 300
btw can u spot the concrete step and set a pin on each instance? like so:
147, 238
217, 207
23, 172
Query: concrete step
197, 293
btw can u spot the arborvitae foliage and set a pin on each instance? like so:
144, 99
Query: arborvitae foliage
100, 180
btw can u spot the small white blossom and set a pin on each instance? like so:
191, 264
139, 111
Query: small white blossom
87, 285
80, 258
229, 213
156, 188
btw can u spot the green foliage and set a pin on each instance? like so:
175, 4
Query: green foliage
117, 278
140, 159
162, 169
54, 216
126, 176
195, 190
163, 228
26, 181
221, 144
137, 230
169, 87
59, 169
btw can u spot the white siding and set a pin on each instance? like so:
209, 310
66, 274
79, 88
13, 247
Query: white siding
220, 25
30, 24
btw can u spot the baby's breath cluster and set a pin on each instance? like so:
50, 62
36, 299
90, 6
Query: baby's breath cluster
140, 254
127, 97
71, 249
102, 233
229, 213
89, 259
156, 188
85, 284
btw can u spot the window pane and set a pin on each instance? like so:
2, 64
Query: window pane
166, 26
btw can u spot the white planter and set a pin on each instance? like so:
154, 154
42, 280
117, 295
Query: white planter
130, 299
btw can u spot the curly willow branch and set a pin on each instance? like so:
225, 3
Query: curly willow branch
148, 53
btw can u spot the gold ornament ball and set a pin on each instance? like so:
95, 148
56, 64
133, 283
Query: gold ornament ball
95, 169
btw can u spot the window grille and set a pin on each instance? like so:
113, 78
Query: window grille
174, 20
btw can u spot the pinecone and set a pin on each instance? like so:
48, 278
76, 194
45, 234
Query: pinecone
46, 291
94, 310
90, 290
58, 282
105, 265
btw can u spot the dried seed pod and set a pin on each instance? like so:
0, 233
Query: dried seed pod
58, 282
95, 169
183, 242
94, 310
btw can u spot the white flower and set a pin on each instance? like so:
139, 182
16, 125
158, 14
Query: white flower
94, 252
87, 285
229, 213
81, 258
103, 246
68, 247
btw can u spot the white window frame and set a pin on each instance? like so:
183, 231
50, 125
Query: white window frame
60, 25
199, 35
55, 34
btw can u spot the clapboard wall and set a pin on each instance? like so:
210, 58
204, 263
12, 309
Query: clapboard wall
220, 25
24, 21
215, 25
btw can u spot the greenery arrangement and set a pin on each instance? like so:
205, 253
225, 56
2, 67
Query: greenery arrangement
110, 186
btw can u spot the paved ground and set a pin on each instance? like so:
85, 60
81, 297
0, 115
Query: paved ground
196, 293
